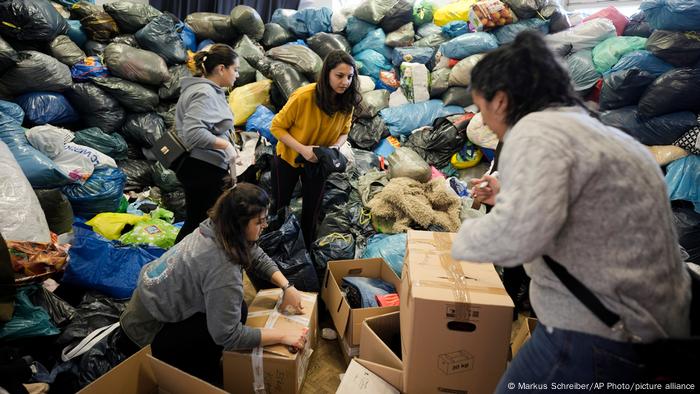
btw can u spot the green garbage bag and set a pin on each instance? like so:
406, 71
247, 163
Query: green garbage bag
607, 53
112, 145
156, 232
422, 12
28, 320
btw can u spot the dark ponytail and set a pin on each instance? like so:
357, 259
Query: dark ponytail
528, 73
206, 61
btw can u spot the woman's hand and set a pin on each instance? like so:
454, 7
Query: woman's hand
295, 337
307, 152
292, 301
486, 194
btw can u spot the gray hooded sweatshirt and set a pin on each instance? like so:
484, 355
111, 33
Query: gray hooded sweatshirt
194, 276
201, 115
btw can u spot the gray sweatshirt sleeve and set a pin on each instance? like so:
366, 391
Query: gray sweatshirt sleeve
531, 206
262, 263
195, 129
223, 306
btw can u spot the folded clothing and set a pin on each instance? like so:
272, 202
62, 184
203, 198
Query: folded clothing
388, 300
361, 292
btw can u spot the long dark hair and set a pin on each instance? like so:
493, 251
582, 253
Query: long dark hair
206, 61
327, 99
528, 73
230, 216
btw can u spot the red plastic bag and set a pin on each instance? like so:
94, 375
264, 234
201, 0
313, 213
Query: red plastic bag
620, 21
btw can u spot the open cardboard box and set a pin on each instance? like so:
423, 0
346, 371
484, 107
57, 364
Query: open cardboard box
348, 321
283, 371
523, 335
144, 374
375, 354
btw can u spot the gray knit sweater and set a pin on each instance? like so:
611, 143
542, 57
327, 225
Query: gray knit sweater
595, 200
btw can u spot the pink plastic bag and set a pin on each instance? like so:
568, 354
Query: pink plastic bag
435, 173
620, 21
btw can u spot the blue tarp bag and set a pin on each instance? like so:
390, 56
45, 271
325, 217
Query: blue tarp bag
683, 180
371, 63
357, 29
402, 120
422, 55
89, 68
679, 15
375, 41
317, 20
102, 192
106, 266
260, 122
507, 33
643, 60
187, 36
390, 247
469, 44
46, 107
455, 29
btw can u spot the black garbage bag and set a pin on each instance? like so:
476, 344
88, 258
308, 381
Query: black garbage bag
400, 14
687, 223
457, 95
60, 311
143, 129
174, 201
661, 130
350, 217
287, 78
372, 102
432, 41
373, 11
638, 26
249, 50
126, 39
100, 26
93, 312
165, 179
299, 56
131, 17
98, 109
246, 20
8, 56
366, 133
139, 174
134, 151
264, 155
208, 25
83, 8
100, 359
170, 89
161, 37
246, 73
558, 18
680, 48
286, 247
325, 43
167, 112
31, 20
276, 35
332, 247
624, 88
36, 72
525, 9
66, 51
112, 145
136, 65
675, 90
437, 144
336, 191
57, 209
365, 160
94, 48
132, 96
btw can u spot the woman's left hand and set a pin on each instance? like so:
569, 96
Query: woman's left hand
292, 301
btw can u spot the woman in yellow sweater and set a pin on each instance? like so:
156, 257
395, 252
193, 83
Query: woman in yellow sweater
318, 114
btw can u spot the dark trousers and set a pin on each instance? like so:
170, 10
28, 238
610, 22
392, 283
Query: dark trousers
203, 183
284, 179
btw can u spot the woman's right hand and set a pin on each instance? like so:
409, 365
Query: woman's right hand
295, 337
307, 152
486, 194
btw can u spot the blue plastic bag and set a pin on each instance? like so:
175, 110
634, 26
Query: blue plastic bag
507, 33
106, 266
672, 14
204, 44
102, 192
317, 20
384, 148
391, 248
45, 107
661, 130
469, 44
41, 171
91, 67
187, 36
422, 55
260, 121
76, 32
643, 60
14, 111
371, 63
375, 41
582, 70
289, 20
357, 29
455, 29
402, 120
683, 180
28, 319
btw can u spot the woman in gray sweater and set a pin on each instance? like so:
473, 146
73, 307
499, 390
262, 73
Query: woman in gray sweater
590, 197
188, 304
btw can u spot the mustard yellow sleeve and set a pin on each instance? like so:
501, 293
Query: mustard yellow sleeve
348, 123
284, 120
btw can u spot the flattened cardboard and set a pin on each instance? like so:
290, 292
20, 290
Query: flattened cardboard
523, 335
143, 374
284, 372
360, 380
348, 321
455, 319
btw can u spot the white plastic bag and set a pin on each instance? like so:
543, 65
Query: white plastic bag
77, 166
397, 98
415, 80
461, 74
480, 134
584, 36
366, 84
97, 158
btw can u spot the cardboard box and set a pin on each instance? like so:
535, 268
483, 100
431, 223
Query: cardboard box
456, 319
523, 335
375, 354
348, 321
144, 374
359, 380
283, 372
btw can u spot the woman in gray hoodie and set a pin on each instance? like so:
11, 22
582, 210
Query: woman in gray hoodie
188, 304
204, 123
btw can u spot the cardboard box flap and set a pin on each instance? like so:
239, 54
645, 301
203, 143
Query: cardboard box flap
172, 380
392, 376
333, 297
